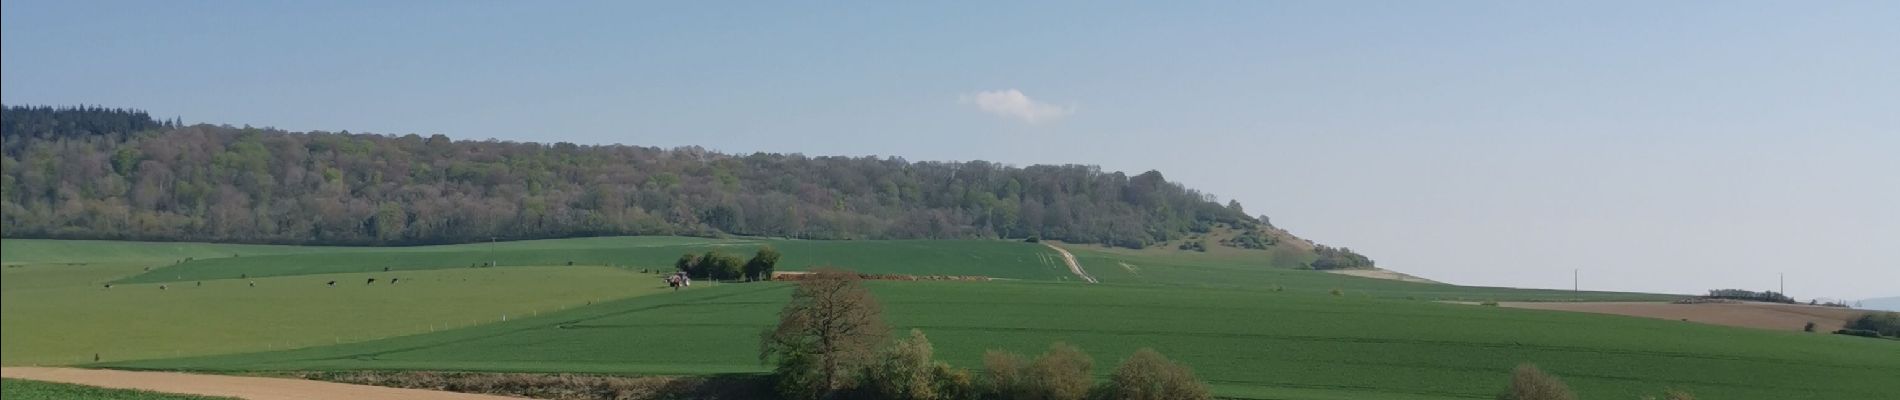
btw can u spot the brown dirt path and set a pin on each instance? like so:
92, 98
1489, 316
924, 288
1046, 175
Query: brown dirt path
1074, 267
244, 387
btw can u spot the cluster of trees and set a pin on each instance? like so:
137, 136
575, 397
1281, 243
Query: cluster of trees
715, 265
1254, 239
1874, 324
95, 173
1338, 258
21, 124
1750, 295
830, 343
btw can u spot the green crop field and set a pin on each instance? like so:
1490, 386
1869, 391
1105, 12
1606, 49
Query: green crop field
57, 312
1247, 343
19, 389
1248, 324
1000, 259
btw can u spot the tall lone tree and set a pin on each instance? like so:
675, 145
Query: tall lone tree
832, 326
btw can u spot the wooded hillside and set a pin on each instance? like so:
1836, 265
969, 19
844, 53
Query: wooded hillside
117, 174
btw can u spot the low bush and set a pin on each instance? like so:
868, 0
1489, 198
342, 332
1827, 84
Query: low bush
907, 371
1194, 245
1147, 375
1672, 394
1530, 383
1858, 332
1062, 373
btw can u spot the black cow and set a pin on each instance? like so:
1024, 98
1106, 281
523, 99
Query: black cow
370, 281
332, 283
392, 281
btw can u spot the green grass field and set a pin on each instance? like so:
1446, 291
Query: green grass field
1247, 343
19, 389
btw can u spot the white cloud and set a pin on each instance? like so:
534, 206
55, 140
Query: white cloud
1013, 104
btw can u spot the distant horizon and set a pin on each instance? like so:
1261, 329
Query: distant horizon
1659, 147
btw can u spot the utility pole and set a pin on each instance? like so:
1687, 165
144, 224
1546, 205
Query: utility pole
491, 253
1576, 285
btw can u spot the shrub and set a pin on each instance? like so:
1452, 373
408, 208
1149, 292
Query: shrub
1337, 292
1147, 375
1858, 332
1195, 245
1673, 394
907, 371
1530, 383
1062, 373
1809, 327
1003, 376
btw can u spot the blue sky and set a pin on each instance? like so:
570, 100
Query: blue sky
1658, 146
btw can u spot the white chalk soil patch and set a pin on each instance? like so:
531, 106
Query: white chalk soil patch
243, 387
1130, 267
1074, 267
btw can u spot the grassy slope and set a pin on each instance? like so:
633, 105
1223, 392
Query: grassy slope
19, 389
1248, 343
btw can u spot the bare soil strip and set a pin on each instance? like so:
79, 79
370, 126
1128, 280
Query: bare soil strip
1074, 267
1780, 317
1381, 274
244, 387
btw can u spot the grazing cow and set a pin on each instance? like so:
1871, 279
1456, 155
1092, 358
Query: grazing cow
253, 283
385, 269
201, 283
370, 281
161, 287
332, 283
108, 286
392, 281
